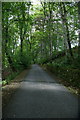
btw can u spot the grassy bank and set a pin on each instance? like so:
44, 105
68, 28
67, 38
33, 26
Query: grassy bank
10, 75
68, 71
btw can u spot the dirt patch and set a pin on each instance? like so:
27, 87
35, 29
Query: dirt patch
9, 90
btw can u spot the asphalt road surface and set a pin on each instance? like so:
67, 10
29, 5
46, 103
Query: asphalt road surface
40, 96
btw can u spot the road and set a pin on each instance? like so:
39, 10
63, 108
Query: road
40, 96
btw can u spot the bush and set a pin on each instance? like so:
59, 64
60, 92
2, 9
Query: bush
71, 75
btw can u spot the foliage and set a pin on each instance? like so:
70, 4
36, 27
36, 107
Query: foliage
39, 34
68, 71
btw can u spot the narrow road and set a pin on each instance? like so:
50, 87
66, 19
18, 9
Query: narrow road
40, 96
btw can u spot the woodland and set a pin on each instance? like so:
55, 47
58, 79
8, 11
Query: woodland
47, 34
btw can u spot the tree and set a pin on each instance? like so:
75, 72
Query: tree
65, 22
79, 27
7, 37
37, 33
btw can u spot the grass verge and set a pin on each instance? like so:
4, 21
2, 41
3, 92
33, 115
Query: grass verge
67, 71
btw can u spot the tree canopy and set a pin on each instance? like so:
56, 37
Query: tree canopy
39, 33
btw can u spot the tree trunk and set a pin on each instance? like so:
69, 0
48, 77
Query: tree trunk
43, 42
21, 38
6, 49
64, 31
50, 26
67, 30
79, 28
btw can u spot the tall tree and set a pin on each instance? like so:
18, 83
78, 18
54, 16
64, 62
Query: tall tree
79, 28
6, 36
64, 18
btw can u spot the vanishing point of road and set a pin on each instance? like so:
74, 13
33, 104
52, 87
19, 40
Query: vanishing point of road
41, 96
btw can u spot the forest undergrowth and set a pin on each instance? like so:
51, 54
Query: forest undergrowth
68, 70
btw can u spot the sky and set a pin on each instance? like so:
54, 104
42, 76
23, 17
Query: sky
35, 2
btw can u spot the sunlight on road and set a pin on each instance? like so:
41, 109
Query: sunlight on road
44, 86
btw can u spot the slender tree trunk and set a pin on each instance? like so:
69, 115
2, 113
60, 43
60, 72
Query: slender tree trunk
43, 45
3, 46
22, 26
79, 28
7, 50
21, 38
64, 31
68, 39
44, 10
50, 26
67, 30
